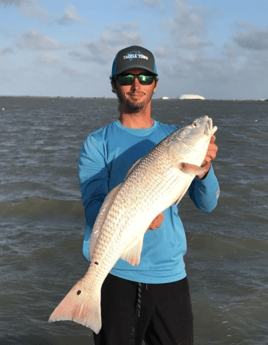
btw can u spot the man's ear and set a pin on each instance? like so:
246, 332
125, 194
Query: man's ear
156, 84
113, 84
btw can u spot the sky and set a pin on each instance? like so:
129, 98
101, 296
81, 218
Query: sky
216, 49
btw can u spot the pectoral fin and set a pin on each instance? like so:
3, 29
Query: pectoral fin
191, 169
132, 254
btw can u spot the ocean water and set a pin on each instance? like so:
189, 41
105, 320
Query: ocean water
42, 218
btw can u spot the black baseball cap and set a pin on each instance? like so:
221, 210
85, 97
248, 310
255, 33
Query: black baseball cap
133, 57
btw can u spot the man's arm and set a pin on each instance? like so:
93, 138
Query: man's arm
93, 178
205, 193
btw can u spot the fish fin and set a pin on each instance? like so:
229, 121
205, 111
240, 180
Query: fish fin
101, 217
132, 168
191, 169
132, 254
80, 306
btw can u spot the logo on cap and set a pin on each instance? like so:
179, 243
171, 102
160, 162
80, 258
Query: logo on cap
135, 55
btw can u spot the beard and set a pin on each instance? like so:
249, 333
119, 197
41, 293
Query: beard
134, 106
131, 106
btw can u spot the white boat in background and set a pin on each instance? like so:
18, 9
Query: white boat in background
165, 97
191, 97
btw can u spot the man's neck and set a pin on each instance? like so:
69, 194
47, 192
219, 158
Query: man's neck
139, 120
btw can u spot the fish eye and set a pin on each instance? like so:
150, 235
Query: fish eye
195, 124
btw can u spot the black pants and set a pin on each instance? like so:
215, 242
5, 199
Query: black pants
156, 313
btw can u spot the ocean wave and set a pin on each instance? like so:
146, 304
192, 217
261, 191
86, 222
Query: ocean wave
36, 207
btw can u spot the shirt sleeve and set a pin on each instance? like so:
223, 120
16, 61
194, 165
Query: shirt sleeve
205, 193
93, 177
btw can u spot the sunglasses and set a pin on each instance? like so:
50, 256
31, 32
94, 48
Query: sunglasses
128, 79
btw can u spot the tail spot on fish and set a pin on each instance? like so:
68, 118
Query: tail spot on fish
78, 292
96, 263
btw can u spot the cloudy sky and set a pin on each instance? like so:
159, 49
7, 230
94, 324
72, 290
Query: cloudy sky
217, 49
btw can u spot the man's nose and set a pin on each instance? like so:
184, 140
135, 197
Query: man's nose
136, 84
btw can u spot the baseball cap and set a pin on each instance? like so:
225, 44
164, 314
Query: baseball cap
133, 57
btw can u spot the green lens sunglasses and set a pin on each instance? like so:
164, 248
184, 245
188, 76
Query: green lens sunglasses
128, 79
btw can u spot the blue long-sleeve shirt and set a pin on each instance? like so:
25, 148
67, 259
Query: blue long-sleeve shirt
106, 156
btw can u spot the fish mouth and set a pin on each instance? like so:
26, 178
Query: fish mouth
210, 129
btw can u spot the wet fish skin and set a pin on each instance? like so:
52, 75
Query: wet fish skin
154, 183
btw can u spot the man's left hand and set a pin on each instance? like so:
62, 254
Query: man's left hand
156, 223
211, 154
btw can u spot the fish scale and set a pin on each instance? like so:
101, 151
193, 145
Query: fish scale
153, 184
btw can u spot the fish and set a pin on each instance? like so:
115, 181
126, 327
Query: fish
155, 182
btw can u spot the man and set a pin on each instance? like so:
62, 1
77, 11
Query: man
151, 301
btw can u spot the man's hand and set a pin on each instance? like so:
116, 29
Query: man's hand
156, 223
211, 154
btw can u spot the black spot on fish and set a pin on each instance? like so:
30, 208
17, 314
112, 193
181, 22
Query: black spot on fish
78, 292
96, 263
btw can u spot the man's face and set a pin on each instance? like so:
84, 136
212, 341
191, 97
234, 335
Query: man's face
136, 96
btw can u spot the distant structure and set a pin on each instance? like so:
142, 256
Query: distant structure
191, 97
164, 97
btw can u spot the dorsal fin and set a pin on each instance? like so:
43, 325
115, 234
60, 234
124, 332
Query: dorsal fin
132, 168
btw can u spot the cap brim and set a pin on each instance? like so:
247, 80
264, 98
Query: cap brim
136, 66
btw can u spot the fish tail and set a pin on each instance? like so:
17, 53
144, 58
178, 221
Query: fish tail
80, 306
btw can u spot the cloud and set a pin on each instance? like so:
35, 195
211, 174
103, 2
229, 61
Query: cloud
250, 37
114, 38
35, 40
47, 60
13, 2
189, 26
234, 74
162, 52
234, 70
70, 15
6, 33
4, 51
29, 8
150, 2
73, 72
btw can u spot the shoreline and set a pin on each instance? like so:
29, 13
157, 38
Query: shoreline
154, 99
